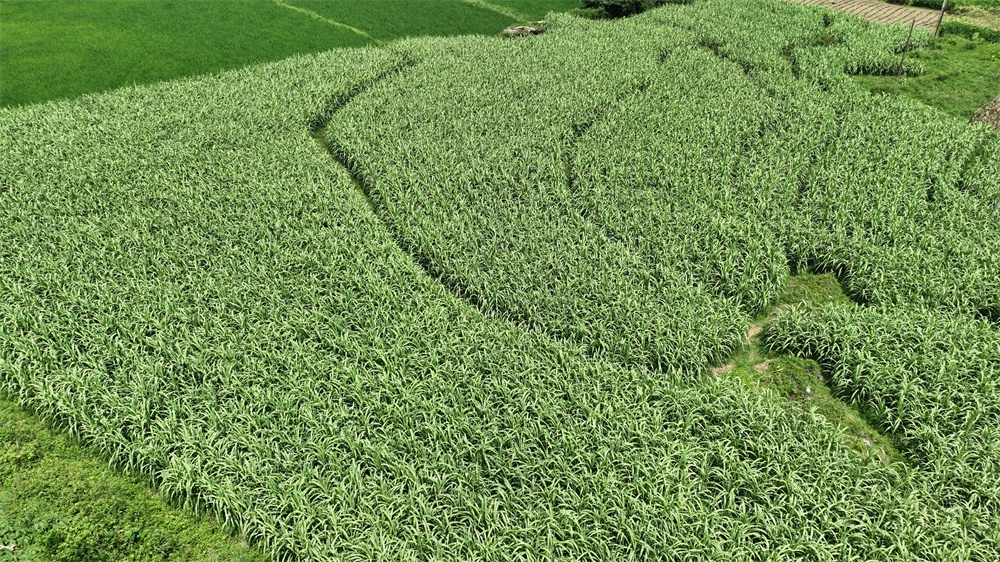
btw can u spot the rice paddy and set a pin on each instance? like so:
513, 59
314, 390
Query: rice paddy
56, 49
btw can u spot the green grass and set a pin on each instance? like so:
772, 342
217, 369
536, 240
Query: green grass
812, 288
930, 378
409, 18
800, 381
960, 76
63, 48
952, 4
988, 18
59, 49
979, 16
58, 502
965, 3
537, 9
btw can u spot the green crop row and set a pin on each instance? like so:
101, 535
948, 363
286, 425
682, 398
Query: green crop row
797, 168
473, 323
713, 158
470, 173
192, 285
970, 31
931, 379
684, 212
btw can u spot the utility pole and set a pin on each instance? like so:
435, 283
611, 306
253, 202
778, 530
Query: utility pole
944, 5
907, 47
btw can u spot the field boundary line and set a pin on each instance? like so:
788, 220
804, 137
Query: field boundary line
503, 11
335, 23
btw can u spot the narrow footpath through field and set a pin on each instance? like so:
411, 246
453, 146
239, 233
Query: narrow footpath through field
881, 12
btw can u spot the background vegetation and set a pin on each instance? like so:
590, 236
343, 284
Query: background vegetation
481, 323
960, 76
63, 48
952, 4
58, 501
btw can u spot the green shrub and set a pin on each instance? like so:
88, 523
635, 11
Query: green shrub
970, 31
621, 8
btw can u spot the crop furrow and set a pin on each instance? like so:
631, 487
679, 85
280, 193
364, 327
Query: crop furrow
578, 131
319, 127
319, 122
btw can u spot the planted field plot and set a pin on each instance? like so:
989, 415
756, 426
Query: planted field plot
475, 320
55, 49
407, 18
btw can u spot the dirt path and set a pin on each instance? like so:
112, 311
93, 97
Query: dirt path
881, 12
990, 114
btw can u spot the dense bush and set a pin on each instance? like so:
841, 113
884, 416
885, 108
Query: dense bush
970, 31
623, 8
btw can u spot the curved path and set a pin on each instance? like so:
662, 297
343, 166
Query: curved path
880, 12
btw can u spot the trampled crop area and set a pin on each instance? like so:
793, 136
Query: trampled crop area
458, 298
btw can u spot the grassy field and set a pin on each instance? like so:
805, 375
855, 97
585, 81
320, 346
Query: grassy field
952, 4
978, 16
960, 76
59, 502
801, 381
668, 287
54, 49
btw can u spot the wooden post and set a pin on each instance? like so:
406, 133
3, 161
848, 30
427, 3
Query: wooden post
907, 47
944, 5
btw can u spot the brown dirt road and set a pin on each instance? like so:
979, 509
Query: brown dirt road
881, 12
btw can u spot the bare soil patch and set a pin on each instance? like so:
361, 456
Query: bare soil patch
723, 368
990, 114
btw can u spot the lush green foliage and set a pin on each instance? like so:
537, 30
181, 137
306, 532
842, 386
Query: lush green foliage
63, 48
57, 502
977, 17
623, 8
933, 379
800, 381
952, 4
496, 180
970, 31
537, 9
59, 48
387, 21
479, 331
961, 75
500, 223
